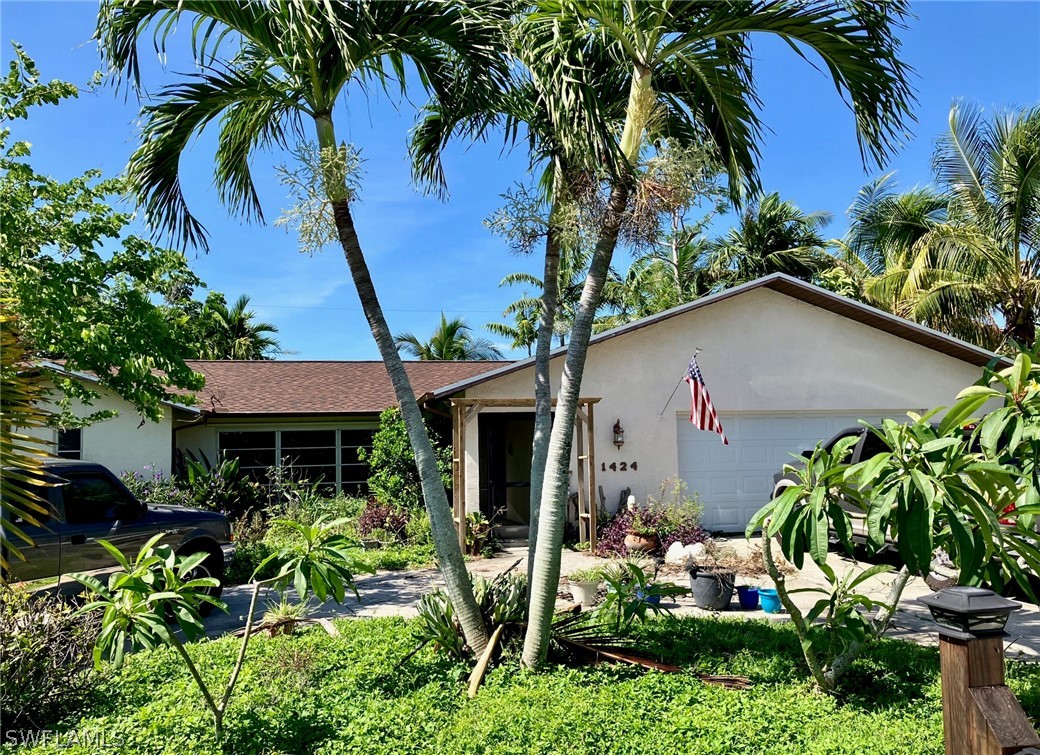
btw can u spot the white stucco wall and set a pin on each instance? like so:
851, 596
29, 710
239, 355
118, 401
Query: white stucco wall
762, 351
123, 443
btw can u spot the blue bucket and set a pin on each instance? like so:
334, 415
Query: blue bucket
748, 597
770, 600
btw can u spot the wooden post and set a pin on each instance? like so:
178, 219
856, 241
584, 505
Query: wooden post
593, 503
458, 443
981, 716
583, 514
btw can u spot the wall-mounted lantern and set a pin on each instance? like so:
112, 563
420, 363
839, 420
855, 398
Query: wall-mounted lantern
619, 435
966, 612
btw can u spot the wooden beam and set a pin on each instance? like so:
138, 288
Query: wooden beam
458, 482
579, 437
593, 503
511, 402
462, 482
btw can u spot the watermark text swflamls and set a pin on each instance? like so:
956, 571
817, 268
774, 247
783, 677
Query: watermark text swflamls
96, 740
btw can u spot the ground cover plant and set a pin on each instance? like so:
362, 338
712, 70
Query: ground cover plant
310, 692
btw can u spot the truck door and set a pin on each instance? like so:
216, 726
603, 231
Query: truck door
43, 558
97, 508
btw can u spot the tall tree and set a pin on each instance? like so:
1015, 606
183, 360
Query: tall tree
772, 236
295, 60
452, 340
233, 332
524, 331
698, 55
964, 259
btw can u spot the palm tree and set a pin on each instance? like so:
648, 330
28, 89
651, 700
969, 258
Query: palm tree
232, 333
451, 341
295, 61
772, 236
696, 55
524, 331
660, 280
965, 260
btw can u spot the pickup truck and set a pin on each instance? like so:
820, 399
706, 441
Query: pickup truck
88, 503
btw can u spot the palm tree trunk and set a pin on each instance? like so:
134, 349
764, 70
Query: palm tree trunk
449, 554
445, 538
542, 385
545, 576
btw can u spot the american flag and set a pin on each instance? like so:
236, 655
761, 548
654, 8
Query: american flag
702, 413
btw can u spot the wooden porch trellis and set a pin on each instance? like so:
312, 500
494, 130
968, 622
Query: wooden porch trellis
465, 409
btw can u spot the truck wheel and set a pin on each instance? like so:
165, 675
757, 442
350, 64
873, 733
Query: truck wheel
213, 566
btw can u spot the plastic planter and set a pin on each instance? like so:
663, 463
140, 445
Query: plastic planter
770, 600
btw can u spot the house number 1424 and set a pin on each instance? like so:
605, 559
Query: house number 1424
620, 466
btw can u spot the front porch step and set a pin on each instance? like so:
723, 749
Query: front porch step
514, 543
512, 531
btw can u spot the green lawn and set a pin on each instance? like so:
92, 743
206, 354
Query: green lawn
351, 694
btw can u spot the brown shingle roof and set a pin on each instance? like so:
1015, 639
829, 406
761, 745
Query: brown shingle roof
294, 387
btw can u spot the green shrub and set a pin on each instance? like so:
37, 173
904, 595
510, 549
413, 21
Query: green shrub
248, 556
393, 476
155, 488
417, 531
45, 663
223, 488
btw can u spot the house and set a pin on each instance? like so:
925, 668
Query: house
123, 442
787, 364
311, 415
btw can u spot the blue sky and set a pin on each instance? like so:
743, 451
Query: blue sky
427, 255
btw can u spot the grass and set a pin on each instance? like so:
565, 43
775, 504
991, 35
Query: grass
351, 694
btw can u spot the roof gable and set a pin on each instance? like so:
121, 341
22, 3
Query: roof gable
788, 286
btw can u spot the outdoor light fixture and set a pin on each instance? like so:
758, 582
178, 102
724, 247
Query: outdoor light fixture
968, 612
619, 435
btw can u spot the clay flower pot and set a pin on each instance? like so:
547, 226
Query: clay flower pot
641, 543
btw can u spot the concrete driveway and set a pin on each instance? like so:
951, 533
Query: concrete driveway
397, 593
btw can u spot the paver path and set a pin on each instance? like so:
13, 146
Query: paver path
397, 593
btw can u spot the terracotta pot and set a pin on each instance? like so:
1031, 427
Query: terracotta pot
640, 543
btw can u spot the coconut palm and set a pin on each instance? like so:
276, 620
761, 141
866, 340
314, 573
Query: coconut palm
696, 56
451, 341
293, 62
233, 333
967, 259
660, 280
523, 333
772, 236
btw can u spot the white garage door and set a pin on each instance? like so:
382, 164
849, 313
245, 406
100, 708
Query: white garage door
735, 481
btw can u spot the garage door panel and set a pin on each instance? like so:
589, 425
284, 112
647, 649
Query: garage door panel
735, 481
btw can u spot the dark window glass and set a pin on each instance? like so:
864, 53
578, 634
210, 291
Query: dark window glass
308, 457
356, 437
251, 457
93, 499
872, 446
247, 439
70, 443
308, 439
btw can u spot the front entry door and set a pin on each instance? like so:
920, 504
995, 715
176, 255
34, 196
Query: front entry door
505, 466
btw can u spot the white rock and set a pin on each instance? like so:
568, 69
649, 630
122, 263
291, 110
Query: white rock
676, 554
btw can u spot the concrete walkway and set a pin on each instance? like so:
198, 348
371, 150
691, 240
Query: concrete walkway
397, 593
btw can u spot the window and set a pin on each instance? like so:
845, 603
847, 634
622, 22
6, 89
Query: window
90, 498
325, 456
70, 443
255, 450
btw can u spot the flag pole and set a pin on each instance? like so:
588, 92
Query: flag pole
677, 382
